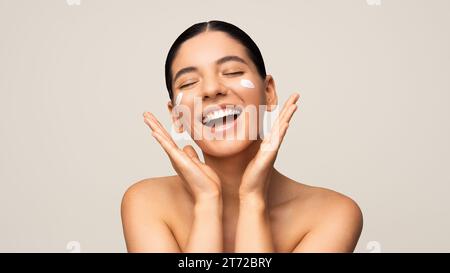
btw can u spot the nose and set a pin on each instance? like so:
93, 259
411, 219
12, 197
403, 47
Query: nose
212, 88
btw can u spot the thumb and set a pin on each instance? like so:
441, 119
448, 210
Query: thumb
189, 150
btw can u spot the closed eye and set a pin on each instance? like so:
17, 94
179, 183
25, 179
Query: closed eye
234, 73
186, 85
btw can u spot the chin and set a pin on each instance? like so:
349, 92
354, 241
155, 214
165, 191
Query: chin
224, 148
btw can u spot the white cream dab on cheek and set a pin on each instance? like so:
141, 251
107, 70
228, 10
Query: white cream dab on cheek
247, 83
178, 98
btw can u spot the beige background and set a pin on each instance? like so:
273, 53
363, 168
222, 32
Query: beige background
374, 120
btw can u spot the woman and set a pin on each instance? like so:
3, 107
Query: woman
236, 201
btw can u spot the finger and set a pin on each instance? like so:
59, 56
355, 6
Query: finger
275, 135
286, 117
291, 100
272, 144
273, 140
288, 110
192, 154
283, 131
153, 122
160, 126
165, 144
180, 160
156, 126
190, 151
149, 122
186, 162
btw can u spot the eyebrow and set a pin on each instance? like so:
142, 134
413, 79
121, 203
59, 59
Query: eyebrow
220, 61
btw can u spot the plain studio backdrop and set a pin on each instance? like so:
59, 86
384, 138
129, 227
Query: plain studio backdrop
373, 119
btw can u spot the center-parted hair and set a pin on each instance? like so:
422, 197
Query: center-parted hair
230, 29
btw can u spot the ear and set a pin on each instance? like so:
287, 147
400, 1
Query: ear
271, 93
176, 118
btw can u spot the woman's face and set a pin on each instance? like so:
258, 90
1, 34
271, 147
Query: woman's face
219, 92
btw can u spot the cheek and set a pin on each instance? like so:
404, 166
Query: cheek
178, 98
250, 92
246, 87
247, 84
240, 84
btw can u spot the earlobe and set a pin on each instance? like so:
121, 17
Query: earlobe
271, 93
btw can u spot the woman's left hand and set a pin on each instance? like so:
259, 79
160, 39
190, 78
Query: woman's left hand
256, 176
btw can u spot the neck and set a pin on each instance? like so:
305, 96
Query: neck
231, 169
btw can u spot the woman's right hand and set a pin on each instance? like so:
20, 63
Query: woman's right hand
202, 180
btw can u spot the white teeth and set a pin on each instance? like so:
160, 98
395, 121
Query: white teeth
220, 113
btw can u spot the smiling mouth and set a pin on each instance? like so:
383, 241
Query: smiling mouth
221, 116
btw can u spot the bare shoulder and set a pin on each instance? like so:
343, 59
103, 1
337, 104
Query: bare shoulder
327, 204
152, 195
158, 185
146, 208
335, 220
328, 201
155, 189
